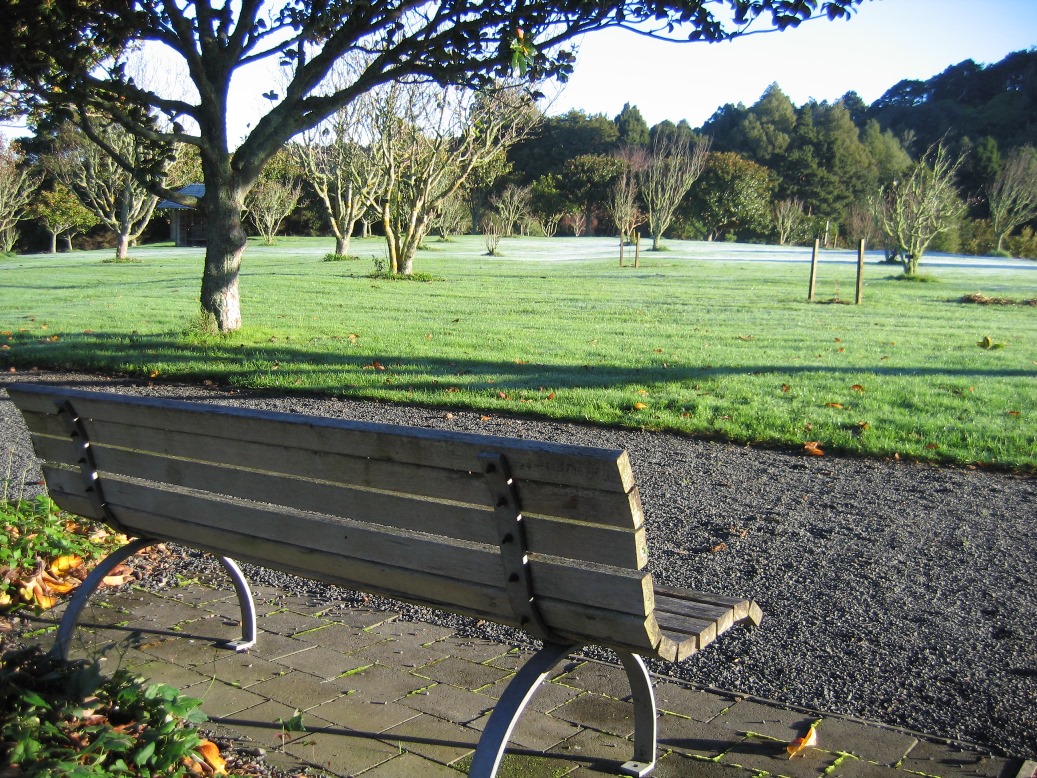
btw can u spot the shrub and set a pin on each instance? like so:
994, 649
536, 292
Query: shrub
65, 719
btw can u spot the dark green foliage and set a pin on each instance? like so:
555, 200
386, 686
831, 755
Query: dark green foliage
65, 719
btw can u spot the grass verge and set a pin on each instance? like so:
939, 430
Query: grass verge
713, 341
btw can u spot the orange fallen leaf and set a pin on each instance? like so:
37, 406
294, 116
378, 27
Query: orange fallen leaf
801, 744
857, 388
116, 580
1011, 413
813, 448
63, 565
786, 388
719, 547
640, 406
551, 396
834, 405
211, 753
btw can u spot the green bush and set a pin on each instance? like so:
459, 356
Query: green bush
64, 719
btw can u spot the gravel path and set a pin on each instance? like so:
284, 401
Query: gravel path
896, 592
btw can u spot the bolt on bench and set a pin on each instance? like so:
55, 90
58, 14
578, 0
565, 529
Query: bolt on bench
545, 537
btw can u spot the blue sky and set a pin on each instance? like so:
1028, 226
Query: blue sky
886, 41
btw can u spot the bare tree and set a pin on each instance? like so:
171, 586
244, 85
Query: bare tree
270, 202
912, 212
336, 160
672, 167
622, 203
513, 205
454, 216
493, 230
428, 142
1012, 195
860, 224
17, 185
788, 219
108, 191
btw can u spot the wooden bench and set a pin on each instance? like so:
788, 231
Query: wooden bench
546, 537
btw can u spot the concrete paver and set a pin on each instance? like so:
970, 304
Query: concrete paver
387, 698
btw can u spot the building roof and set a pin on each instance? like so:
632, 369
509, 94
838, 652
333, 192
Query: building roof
197, 190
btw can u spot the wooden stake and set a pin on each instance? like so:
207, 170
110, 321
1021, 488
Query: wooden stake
813, 270
637, 249
860, 272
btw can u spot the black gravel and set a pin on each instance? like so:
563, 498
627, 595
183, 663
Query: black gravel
896, 592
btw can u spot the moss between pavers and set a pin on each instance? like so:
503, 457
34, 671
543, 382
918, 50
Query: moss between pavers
526, 766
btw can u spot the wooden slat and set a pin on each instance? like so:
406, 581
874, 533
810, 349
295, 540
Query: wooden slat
702, 631
532, 460
580, 622
578, 541
694, 611
145, 459
597, 585
741, 608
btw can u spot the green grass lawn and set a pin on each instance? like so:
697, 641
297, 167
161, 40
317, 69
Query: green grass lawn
693, 340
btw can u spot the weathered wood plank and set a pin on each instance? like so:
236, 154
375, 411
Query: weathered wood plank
741, 608
534, 460
703, 631
575, 621
598, 585
612, 509
694, 611
578, 541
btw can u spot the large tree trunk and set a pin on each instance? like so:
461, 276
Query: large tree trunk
53, 243
226, 243
342, 245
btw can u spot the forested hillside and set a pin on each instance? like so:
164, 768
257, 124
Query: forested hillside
823, 165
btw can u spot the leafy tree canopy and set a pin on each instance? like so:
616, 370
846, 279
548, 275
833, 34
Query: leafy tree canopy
71, 56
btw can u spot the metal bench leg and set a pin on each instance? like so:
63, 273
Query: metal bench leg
82, 594
245, 602
645, 723
509, 708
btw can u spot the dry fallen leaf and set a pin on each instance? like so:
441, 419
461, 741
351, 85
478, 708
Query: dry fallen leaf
640, 406
857, 388
801, 744
211, 753
813, 448
63, 565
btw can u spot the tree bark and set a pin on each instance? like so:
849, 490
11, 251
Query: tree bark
122, 246
226, 243
53, 243
341, 245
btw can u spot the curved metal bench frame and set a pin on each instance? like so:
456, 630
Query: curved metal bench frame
505, 715
75, 606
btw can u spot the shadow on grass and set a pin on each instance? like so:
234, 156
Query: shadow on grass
274, 365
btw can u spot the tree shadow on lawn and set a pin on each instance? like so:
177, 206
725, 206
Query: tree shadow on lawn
322, 371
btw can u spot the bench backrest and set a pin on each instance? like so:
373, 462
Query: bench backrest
401, 511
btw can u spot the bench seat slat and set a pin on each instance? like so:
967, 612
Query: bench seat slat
681, 607
582, 542
597, 506
741, 609
535, 460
